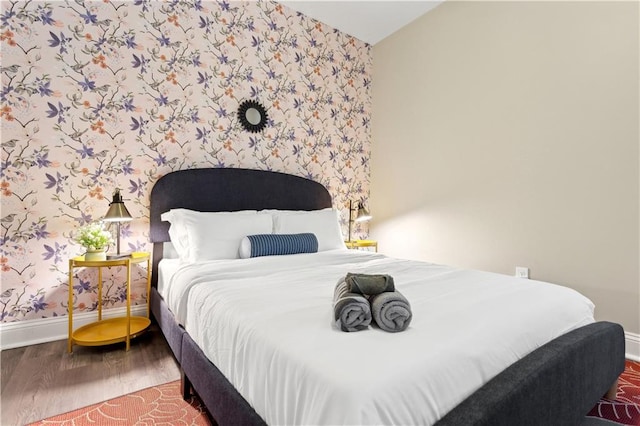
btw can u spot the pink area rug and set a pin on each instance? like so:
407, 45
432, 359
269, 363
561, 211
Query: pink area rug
163, 405
157, 405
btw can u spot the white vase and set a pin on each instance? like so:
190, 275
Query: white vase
95, 255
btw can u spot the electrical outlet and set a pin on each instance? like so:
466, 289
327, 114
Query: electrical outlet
522, 272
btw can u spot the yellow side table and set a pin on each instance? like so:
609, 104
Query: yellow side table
358, 244
113, 330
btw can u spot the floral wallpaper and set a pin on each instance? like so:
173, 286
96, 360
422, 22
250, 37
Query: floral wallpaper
104, 95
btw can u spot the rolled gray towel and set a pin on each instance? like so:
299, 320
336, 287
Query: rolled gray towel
391, 311
351, 312
369, 284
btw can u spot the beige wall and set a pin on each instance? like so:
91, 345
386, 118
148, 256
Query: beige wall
506, 134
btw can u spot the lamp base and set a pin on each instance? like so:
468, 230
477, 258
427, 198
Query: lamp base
114, 256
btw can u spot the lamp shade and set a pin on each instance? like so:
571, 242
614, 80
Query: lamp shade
363, 214
117, 210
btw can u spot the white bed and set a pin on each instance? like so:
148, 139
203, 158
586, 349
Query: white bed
269, 327
266, 323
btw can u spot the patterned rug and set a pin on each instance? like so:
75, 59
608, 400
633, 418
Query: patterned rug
163, 405
625, 409
157, 405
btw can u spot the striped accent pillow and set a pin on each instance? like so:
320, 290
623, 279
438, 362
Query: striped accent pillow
277, 244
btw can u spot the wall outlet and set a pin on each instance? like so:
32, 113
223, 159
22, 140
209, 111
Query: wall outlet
522, 272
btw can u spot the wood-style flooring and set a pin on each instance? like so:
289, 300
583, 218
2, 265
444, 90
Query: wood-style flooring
43, 380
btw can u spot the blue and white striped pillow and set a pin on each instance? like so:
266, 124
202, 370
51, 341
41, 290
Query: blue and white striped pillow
277, 244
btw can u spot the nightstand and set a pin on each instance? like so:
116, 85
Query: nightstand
359, 244
112, 330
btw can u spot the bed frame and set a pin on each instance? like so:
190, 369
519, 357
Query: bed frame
557, 384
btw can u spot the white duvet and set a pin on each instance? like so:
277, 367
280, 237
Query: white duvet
267, 324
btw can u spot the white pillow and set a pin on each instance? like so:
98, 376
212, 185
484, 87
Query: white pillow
199, 236
275, 212
177, 232
169, 251
323, 223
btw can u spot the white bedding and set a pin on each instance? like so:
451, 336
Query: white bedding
267, 325
166, 269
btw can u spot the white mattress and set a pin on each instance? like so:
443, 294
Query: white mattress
267, 324
166, 269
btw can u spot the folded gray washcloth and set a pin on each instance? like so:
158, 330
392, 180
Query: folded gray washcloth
369, 284
351, 311
391, 311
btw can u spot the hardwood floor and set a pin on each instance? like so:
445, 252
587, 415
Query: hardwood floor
40, 381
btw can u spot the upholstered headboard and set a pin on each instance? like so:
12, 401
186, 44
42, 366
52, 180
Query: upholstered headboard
214, 190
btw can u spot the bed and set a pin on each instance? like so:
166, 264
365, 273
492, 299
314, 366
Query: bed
555, 383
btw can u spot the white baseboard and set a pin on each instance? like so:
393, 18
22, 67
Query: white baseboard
32, 332
633, 346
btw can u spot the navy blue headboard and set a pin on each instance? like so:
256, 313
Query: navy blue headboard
214, 190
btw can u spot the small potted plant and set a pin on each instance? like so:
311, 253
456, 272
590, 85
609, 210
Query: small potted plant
95, 239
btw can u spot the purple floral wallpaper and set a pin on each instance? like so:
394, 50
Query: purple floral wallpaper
99, 95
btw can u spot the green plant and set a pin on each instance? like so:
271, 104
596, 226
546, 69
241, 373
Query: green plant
94, 237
